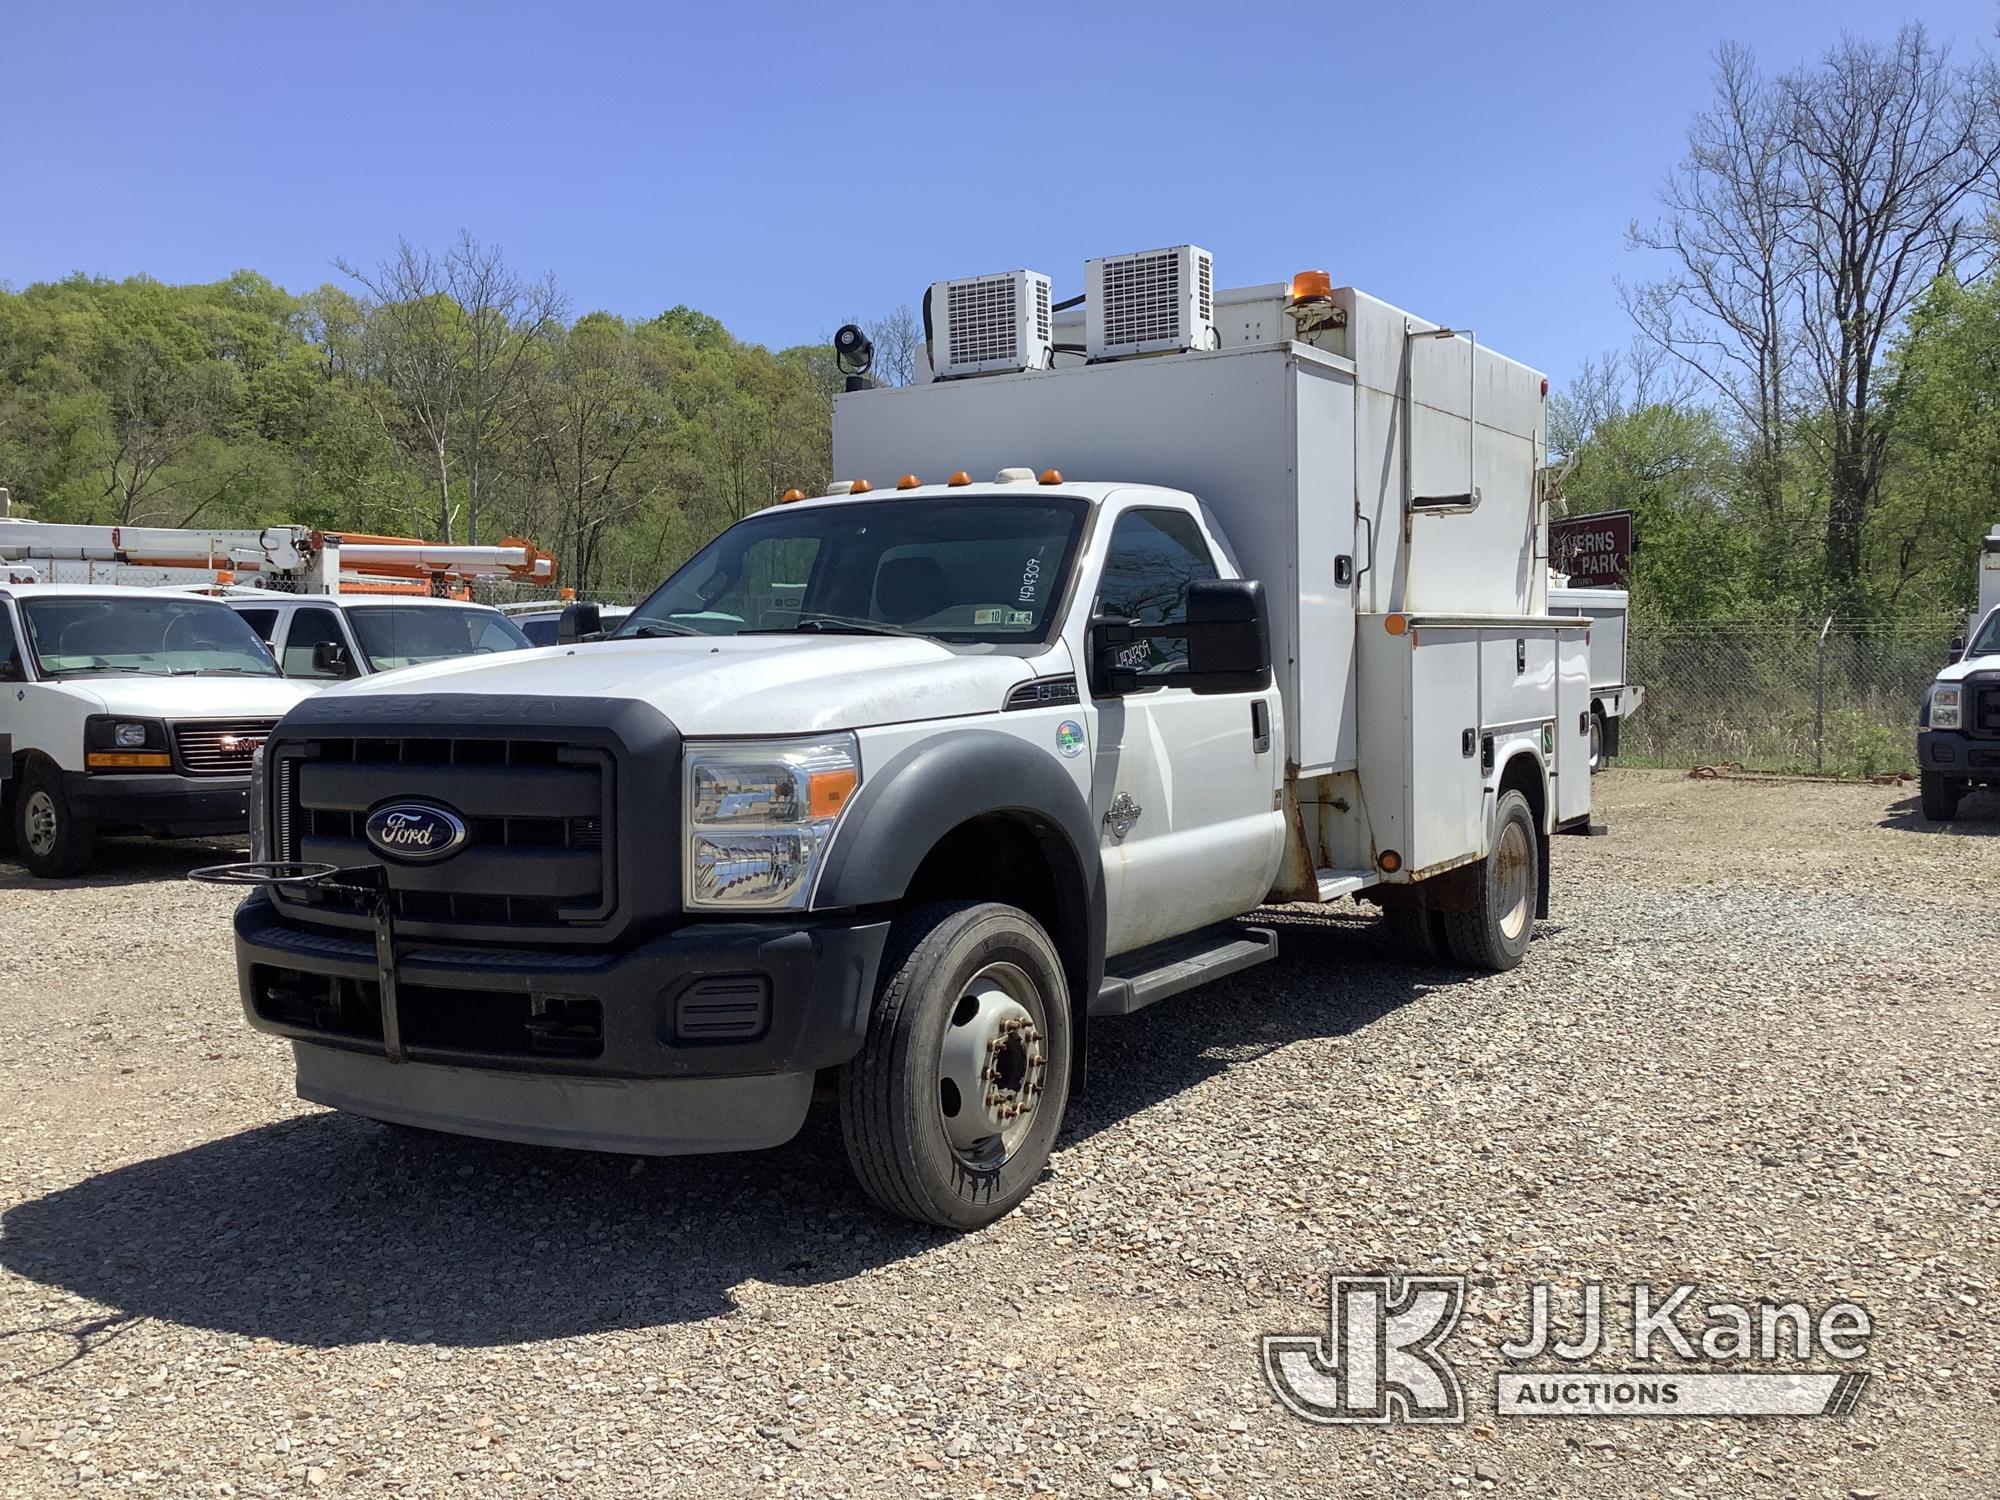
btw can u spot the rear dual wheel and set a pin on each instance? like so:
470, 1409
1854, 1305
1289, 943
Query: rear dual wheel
1494, 933
951, 1108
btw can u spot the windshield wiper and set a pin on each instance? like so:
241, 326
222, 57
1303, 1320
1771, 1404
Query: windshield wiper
226, 672
831, 625
653, 630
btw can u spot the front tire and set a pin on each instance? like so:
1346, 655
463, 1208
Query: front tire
1938, 795
951, 1108
1494, 934
50, 839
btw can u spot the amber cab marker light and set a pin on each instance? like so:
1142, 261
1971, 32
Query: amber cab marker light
791, 497
959, 480
1311, 286
1052, 476
908, 482
1395, 624
859, 487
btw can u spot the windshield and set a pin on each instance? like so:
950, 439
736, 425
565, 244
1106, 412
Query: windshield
1987, 641
406, 635
169, 636
982, 569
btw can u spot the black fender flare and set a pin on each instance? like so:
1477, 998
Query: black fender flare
903, 809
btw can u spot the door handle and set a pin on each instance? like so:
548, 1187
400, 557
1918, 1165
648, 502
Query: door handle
1260, 726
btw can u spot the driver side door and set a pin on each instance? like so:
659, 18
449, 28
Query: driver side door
1185, 785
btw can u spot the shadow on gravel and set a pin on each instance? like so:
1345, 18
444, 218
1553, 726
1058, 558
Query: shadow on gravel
129, 861
1978, 816
329, 1230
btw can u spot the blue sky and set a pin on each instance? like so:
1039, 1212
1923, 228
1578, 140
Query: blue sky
788, 167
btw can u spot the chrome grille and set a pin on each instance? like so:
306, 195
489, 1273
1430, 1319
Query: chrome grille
219, 747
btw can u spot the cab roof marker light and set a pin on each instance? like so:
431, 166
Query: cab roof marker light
791, 497
908, 482
1015, 476
858, 486
959, 479
1051, 476
840, 487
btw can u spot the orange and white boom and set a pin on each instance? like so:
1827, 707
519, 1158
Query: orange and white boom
294, 558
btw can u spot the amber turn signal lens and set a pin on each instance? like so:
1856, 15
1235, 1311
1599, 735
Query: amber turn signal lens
958, 479
1395, 624
1310, 286
908, 482
127, 760
828, 791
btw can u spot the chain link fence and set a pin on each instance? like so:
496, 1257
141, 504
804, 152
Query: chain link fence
1838, 698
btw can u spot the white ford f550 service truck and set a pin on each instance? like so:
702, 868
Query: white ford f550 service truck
907, 787
1958, 724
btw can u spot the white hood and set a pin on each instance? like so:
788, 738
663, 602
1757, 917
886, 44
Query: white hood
741, 685
1963, 668
184, 697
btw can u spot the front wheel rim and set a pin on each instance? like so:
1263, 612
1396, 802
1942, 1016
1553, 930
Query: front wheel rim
39, 823
1511, 879
992, 1066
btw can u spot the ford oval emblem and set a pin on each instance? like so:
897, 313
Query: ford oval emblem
415, 832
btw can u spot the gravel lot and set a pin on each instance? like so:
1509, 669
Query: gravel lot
1754, 1049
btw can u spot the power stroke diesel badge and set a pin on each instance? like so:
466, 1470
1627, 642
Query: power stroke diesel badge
415, 832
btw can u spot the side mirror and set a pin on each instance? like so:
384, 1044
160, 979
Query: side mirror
580, 622
1229, 636
1957, 650
330, 659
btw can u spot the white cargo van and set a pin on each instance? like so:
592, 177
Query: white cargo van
127, 709
911, 786
323, 638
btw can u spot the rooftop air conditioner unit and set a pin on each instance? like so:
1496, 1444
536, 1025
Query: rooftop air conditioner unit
988, 325
1151, 302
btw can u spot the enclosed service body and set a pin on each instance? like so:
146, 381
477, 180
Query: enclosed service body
903, 787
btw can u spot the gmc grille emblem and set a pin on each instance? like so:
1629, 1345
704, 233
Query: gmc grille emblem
240, 744
415, 832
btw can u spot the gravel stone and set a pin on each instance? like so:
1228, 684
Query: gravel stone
1756, 1046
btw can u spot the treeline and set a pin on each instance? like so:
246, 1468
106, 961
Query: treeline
441, 396
1808, 422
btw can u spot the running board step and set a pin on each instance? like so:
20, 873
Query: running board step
1135, 980
1333, 884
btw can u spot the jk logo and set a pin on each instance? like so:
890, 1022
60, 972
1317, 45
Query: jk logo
1378, 1360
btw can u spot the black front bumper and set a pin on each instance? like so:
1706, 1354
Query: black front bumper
184, 806
711, 999
1961, 756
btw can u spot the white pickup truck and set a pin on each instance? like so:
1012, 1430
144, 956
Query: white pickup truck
905, 788
1958, 726
127, 709
1613, 699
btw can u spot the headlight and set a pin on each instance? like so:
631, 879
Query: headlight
1947, 706
759, 817
129, 736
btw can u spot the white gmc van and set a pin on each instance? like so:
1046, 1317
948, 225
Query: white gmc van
128, 709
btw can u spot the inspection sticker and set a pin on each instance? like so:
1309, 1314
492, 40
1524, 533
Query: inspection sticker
1069, 739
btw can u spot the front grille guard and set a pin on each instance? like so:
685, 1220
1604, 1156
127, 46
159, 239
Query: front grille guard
368, 885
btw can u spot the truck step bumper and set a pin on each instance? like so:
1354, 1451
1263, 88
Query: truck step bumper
636, 1116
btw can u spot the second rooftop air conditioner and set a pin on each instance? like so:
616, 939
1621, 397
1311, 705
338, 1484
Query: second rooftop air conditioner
1151, 302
